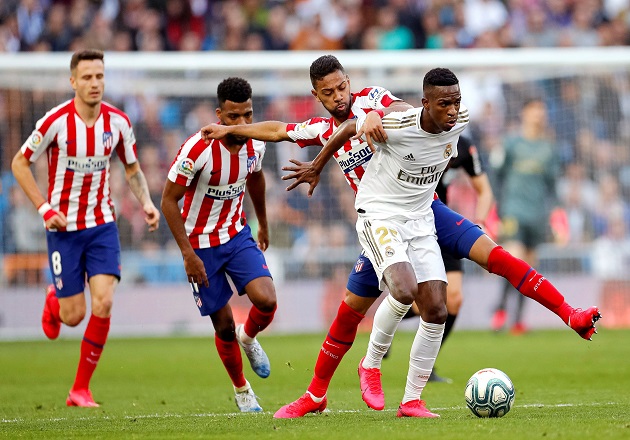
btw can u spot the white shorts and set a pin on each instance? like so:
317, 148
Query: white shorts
387, 242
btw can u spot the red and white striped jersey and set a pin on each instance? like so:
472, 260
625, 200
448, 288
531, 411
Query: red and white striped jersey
79, 159
354, 156
213, 203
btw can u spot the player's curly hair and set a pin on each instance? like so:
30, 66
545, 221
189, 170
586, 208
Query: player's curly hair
439, 76
234, 89
87, 54
324, 65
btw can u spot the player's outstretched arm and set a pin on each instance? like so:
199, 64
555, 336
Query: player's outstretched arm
140, 189
21, 168
268, 131
308, 172
195, 270
256, 186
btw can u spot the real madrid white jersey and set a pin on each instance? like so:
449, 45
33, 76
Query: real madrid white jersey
354, 156
213, 204
402, 175
79, 160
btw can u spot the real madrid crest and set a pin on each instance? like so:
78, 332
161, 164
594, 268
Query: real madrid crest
448, 151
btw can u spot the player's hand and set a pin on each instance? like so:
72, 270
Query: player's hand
152, 217
57, 221
372, 129
213, 131
195, 271
263, 238
303, 172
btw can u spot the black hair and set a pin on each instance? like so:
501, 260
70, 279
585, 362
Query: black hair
324, 65
440, 77
234, 89
87, 54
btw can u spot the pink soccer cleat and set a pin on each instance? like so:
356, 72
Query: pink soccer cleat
415, 408
498, 320
583, 321
301, 407
82, 398
50, 324
371, 388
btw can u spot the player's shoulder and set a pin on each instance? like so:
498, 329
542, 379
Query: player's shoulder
115, 111
463, 116
57, 111
370, 94
258, 145
402, 119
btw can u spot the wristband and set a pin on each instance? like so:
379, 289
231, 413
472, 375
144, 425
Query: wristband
379, 112
46, 211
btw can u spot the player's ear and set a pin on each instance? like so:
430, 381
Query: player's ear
217, 111
73, 82
314, 93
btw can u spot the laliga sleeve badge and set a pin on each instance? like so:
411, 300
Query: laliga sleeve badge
186, 167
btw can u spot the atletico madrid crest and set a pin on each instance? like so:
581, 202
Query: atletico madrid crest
108, 142
251, 164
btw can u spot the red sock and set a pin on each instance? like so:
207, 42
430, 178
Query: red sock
339, 340
92, 345
53, 306
230, 354
527, 281
257, 321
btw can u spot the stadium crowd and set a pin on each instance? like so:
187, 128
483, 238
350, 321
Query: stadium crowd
195, 25
586, 113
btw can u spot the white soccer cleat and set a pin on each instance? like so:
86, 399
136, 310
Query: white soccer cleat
246, 400
257, 357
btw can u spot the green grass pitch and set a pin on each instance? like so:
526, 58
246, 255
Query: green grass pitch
566, 388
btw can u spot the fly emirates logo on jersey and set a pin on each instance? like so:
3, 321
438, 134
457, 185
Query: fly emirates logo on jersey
226, 192
427, 175
88, 165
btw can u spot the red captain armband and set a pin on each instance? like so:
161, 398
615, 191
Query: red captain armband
378, 112
46, 211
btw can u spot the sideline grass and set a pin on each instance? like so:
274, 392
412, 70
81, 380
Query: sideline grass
566, 388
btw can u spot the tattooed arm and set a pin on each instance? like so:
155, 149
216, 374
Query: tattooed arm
139, 187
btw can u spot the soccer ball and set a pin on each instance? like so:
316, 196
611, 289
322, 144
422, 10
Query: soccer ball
489, 393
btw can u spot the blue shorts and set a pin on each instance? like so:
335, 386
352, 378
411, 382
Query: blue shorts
240, 259
456, 236
74, 254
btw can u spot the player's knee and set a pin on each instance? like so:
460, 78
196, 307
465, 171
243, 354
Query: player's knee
434, 311
102, 307
226, 331
73, 318
454, 301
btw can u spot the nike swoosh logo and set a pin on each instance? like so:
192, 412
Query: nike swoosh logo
459, 223
332, 345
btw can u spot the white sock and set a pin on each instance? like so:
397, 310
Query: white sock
386, 319
244, 388
316, 399
424, 350
244, 337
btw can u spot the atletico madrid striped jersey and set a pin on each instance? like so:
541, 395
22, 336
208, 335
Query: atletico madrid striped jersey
354, 156
213, 203
79, 160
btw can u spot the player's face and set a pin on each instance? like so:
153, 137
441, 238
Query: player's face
236, 113
333, 91
88, 81
441, 107
535, 114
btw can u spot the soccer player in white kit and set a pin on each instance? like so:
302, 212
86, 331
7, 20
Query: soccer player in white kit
397, 231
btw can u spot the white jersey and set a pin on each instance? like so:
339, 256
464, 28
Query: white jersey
216, 180
401, 177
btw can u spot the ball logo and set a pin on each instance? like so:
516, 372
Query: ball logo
187, 167
389, 251
448, 151
36, 138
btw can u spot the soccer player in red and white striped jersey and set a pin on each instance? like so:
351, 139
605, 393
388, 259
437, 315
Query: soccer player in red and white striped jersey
79, 138
215, 240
